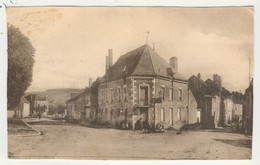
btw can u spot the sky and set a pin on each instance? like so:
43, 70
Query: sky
72, 42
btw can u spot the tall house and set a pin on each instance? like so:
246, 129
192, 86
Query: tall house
141, 84
248, 108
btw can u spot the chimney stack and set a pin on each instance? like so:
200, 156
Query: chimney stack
110, 56
217, 80
107, 63
90, 82
199, 75
174, 63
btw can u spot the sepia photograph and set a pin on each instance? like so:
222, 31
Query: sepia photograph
130, 83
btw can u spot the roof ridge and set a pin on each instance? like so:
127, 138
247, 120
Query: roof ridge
79, 94
140, 57
127, 53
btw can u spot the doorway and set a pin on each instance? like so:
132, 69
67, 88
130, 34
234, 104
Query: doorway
144, 113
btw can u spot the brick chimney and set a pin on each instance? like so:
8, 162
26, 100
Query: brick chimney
110, 57
107, 63
199, 75
217, 80
174, 63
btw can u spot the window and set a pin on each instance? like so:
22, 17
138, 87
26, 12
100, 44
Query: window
180, 95
111, 95
143, 95
171, 94
124, 93
179, 113
106, 96
115, 92
162, 114
163, 93
119, 93
102, 95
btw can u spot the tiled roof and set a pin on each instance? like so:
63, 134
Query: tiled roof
143, 61
80, 94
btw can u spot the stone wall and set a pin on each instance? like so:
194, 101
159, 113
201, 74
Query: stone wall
115, 109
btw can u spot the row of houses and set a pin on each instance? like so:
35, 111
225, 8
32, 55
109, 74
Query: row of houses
84, 105
51, 103
30, 105
142, 85
219, 106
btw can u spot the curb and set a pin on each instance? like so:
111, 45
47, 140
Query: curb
36, 134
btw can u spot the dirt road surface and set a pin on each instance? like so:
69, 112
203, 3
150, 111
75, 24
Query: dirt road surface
68, 141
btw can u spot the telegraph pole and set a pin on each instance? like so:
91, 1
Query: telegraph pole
249, 69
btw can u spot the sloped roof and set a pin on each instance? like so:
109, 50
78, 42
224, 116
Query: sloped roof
143, 61
80, 94
198, 94
225, 92
213, 88
195, 77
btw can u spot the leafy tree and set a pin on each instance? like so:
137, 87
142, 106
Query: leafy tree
20, 65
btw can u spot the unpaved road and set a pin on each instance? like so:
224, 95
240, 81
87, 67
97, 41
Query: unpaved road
77, 142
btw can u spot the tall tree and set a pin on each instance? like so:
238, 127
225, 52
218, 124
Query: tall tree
20, 65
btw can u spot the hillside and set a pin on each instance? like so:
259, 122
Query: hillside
56, 97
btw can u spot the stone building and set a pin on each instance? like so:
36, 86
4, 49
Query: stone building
83, 105
79, 106
199, 89
214, 101
239, 102
218, 106
248, 109
141, 84
23, 109
210, 114
228, 110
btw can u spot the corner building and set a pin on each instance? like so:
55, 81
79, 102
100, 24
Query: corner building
128, 90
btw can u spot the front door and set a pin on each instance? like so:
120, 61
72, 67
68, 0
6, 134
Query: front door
144, 113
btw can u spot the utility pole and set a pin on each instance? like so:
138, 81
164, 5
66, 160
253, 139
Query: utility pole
249, 69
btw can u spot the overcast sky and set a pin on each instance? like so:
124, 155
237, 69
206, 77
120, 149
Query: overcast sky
71, 43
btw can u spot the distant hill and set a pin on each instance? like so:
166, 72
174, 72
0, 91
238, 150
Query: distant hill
56, 97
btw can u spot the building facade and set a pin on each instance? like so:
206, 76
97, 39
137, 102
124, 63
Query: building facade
142, 85
84, 105
218, 106
229, 110
23, 109
248, 109
79, 106
215, 101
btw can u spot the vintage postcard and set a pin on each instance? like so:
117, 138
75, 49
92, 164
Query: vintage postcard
141, 83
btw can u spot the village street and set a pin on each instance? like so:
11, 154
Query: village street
71, 141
